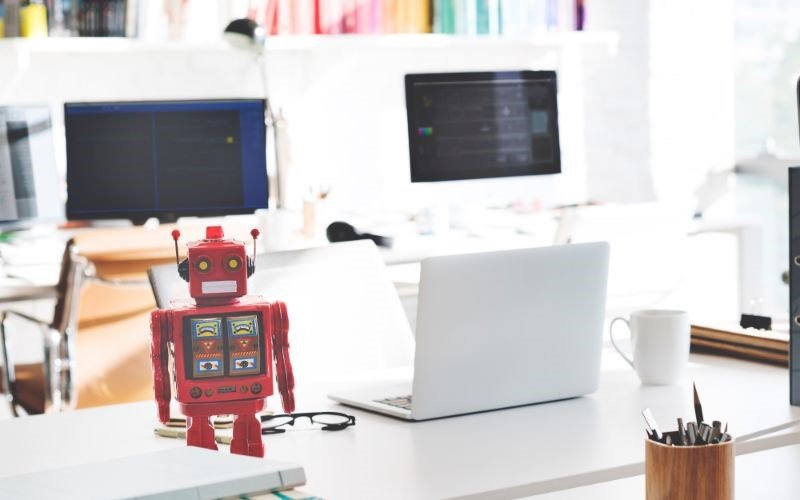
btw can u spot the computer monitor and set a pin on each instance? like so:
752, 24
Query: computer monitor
165, 159
29, 190
482, 125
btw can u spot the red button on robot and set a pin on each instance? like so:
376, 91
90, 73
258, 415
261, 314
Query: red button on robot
222, 341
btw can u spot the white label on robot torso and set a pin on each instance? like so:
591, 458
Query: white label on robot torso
219, 287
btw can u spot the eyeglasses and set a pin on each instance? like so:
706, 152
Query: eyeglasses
329, 420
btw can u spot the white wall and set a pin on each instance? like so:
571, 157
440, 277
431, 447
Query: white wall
663, 112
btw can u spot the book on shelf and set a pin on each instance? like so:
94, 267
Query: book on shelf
769, 346
174, 19
11, 18
456, 17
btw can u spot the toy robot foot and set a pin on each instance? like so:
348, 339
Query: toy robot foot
210, 446
253, 449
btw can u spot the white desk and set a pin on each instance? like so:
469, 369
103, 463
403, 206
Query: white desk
491, 455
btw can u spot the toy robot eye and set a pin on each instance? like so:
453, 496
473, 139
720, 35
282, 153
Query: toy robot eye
203, 265
233, 263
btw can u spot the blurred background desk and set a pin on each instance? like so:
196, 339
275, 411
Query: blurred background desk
114, 321
660, 258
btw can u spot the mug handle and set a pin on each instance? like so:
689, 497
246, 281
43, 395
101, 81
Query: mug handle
616, 347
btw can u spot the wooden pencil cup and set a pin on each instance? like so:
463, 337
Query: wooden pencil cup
689, 472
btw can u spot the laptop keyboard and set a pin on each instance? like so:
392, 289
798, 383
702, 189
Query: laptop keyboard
403, 402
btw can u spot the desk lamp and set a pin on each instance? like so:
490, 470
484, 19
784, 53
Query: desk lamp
246, 34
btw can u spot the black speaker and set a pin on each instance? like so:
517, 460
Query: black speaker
794, 285
342, 231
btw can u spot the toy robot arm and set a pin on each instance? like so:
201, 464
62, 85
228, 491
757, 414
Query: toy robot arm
280, 349
159, 355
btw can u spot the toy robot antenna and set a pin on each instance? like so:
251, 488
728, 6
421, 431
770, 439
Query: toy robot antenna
254, 233
175, 235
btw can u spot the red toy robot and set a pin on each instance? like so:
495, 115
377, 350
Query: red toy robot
221, 345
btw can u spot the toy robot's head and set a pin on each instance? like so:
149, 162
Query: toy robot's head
216, 268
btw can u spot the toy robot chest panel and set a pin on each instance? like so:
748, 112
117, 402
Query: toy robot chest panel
224, 345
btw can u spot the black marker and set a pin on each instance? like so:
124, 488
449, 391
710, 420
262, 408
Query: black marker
698, 408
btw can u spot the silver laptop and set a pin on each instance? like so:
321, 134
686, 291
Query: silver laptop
501, 329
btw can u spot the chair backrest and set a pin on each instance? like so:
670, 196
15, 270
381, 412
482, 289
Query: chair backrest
59, 350
70, 280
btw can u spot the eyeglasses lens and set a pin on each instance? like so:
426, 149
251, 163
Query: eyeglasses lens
278, 421
328, 419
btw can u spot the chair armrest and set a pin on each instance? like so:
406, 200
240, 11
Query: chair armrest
4, 314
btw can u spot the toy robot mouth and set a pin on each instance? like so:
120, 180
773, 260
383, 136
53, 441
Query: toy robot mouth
219, 286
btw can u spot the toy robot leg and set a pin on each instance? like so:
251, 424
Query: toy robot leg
200, 432
247, 436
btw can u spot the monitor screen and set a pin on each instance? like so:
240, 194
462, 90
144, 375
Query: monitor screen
482, 125
165, 159
28, 175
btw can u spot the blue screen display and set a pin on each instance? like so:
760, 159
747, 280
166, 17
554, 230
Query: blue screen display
165, 159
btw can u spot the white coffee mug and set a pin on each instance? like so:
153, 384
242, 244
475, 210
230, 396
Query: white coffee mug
660, 340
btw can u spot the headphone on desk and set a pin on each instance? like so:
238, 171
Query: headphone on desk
342, 231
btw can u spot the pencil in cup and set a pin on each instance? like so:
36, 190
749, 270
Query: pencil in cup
703, 472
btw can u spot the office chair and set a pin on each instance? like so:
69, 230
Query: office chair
57, 386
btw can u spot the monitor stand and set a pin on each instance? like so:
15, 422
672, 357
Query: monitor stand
468, 216
440, 219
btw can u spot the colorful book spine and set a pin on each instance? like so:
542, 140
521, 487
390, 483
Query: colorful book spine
349, 16
463, 17
331, 14
540, 16
376, 16
11, 17
401, 15
445, 16
488, 17
363, 17
389, 16
285, 17
565, 15
303, 17
417, 16
514, 16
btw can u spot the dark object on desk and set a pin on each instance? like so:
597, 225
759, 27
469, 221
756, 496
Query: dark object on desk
794, 283
342, 231
329, 420
698, 408
755, 321
764, 346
